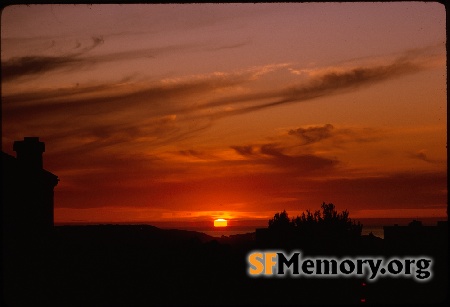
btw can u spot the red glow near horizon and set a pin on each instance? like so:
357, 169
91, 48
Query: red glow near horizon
160, 130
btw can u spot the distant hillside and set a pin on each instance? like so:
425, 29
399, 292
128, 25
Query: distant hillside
129, 234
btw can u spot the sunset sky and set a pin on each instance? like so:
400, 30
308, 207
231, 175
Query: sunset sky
200, 111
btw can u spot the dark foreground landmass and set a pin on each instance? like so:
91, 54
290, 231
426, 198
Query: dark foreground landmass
141, 265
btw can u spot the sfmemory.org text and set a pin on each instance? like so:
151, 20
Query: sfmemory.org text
277, 263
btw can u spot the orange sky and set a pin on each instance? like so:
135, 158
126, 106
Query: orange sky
195, 112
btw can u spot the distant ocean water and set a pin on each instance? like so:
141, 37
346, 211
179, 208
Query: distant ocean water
377, 231
370, 225
220, 231
235, 230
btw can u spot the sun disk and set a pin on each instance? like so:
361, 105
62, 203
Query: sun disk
220, 223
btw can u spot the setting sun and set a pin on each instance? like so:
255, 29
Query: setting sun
194, 139
220, 223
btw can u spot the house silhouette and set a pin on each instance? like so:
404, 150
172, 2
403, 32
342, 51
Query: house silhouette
416, 236
27, 190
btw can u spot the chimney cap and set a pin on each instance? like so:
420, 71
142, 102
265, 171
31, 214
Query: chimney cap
29, 144
29, 151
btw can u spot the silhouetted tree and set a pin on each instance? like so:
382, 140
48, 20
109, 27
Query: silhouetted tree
325, 223
280, 221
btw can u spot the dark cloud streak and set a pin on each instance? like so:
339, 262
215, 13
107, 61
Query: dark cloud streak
153, 101
273, 155
422, 156
313, 134
339, 136
230, 46
18, 67
27, 66
326, 84
33, 66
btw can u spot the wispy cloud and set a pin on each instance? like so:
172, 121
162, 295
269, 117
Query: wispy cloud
244, 150
15, 68
274, 155
312, 134
28, 66
157, 113
230, 46
423, 156
78, 57
321, 83
338, 136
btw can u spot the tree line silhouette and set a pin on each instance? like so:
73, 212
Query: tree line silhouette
320, 223
325, 230
141, 265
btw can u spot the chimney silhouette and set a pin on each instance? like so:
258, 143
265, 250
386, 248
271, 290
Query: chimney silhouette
29, 151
